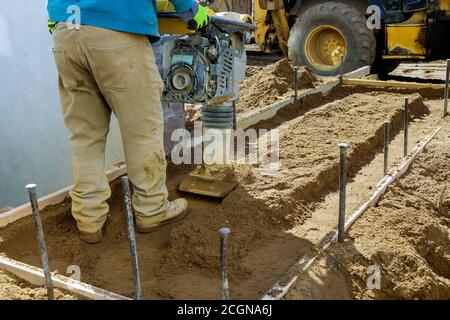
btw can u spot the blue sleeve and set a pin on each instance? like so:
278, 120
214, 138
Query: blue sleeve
182, 5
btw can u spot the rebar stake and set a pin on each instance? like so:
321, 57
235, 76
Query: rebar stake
342, 190
447, 77
295, 83
386, 147
341, 69
405, 128
132, 238
41, 240
223, 262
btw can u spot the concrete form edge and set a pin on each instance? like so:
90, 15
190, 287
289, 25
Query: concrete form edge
36, 277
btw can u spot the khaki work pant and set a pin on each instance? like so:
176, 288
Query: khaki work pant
103, 71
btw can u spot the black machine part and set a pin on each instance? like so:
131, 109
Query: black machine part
393, 10
199, 68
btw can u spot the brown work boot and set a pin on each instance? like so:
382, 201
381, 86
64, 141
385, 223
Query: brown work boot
92, 238
176, 210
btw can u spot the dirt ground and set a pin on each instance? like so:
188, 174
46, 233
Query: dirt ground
414, 251
406, 236
275, 219
182, 260
12, 288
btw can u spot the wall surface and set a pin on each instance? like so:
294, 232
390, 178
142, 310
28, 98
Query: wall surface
34, 143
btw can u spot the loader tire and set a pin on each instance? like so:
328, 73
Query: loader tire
325, 32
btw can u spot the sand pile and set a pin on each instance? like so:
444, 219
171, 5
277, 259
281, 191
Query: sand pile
272, 83
252, 70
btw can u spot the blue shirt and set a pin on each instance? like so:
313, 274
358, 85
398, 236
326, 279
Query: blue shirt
134, 16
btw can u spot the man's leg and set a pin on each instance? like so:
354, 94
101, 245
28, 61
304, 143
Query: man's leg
87, 117
125, 69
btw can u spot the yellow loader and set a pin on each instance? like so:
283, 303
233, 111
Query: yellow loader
320, 33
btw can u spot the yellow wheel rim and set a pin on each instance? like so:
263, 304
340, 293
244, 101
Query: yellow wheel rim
324, 47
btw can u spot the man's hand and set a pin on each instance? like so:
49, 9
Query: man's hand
200, 19
196, 17
51, 26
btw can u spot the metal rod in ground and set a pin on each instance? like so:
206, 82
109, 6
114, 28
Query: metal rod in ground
342, 189
132, 238
341, 69
295, 83
405, 128
446, 93
223, 262
386, 147
41, 240
234, 115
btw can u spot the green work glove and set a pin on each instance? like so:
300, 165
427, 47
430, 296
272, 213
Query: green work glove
200, 19
51, 26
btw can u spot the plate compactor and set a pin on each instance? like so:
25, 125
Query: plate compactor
206, 67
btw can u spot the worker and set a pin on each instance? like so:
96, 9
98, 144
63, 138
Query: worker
105, 65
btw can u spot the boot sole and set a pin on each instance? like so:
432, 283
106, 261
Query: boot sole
155, 227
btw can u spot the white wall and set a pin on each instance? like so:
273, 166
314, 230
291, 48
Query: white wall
34, 143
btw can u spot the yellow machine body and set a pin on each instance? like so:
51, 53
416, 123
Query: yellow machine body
170, 25
407, 40
277, 31
173, 25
